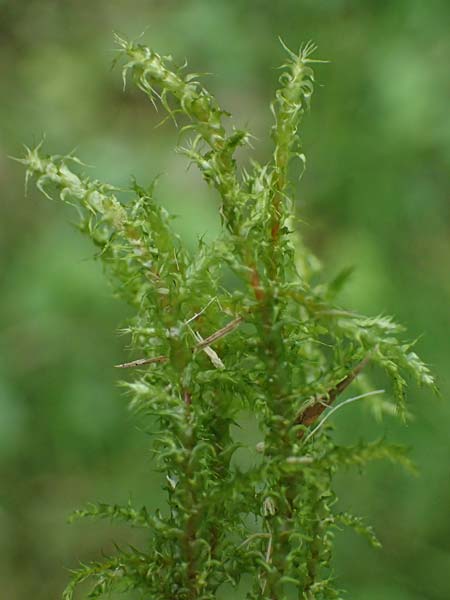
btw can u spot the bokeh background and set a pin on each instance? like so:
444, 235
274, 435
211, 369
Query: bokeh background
375, 196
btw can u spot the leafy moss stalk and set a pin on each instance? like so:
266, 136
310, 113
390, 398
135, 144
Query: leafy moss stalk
278, 346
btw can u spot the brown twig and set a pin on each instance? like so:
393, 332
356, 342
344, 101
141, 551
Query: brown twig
312, 413
220, 333
203, 344
142, 361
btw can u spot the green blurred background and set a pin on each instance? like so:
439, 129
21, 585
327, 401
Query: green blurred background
375, 196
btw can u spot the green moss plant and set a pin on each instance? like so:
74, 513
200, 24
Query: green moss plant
277, 346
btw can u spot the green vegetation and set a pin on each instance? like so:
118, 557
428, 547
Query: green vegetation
374, 197
243, 328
